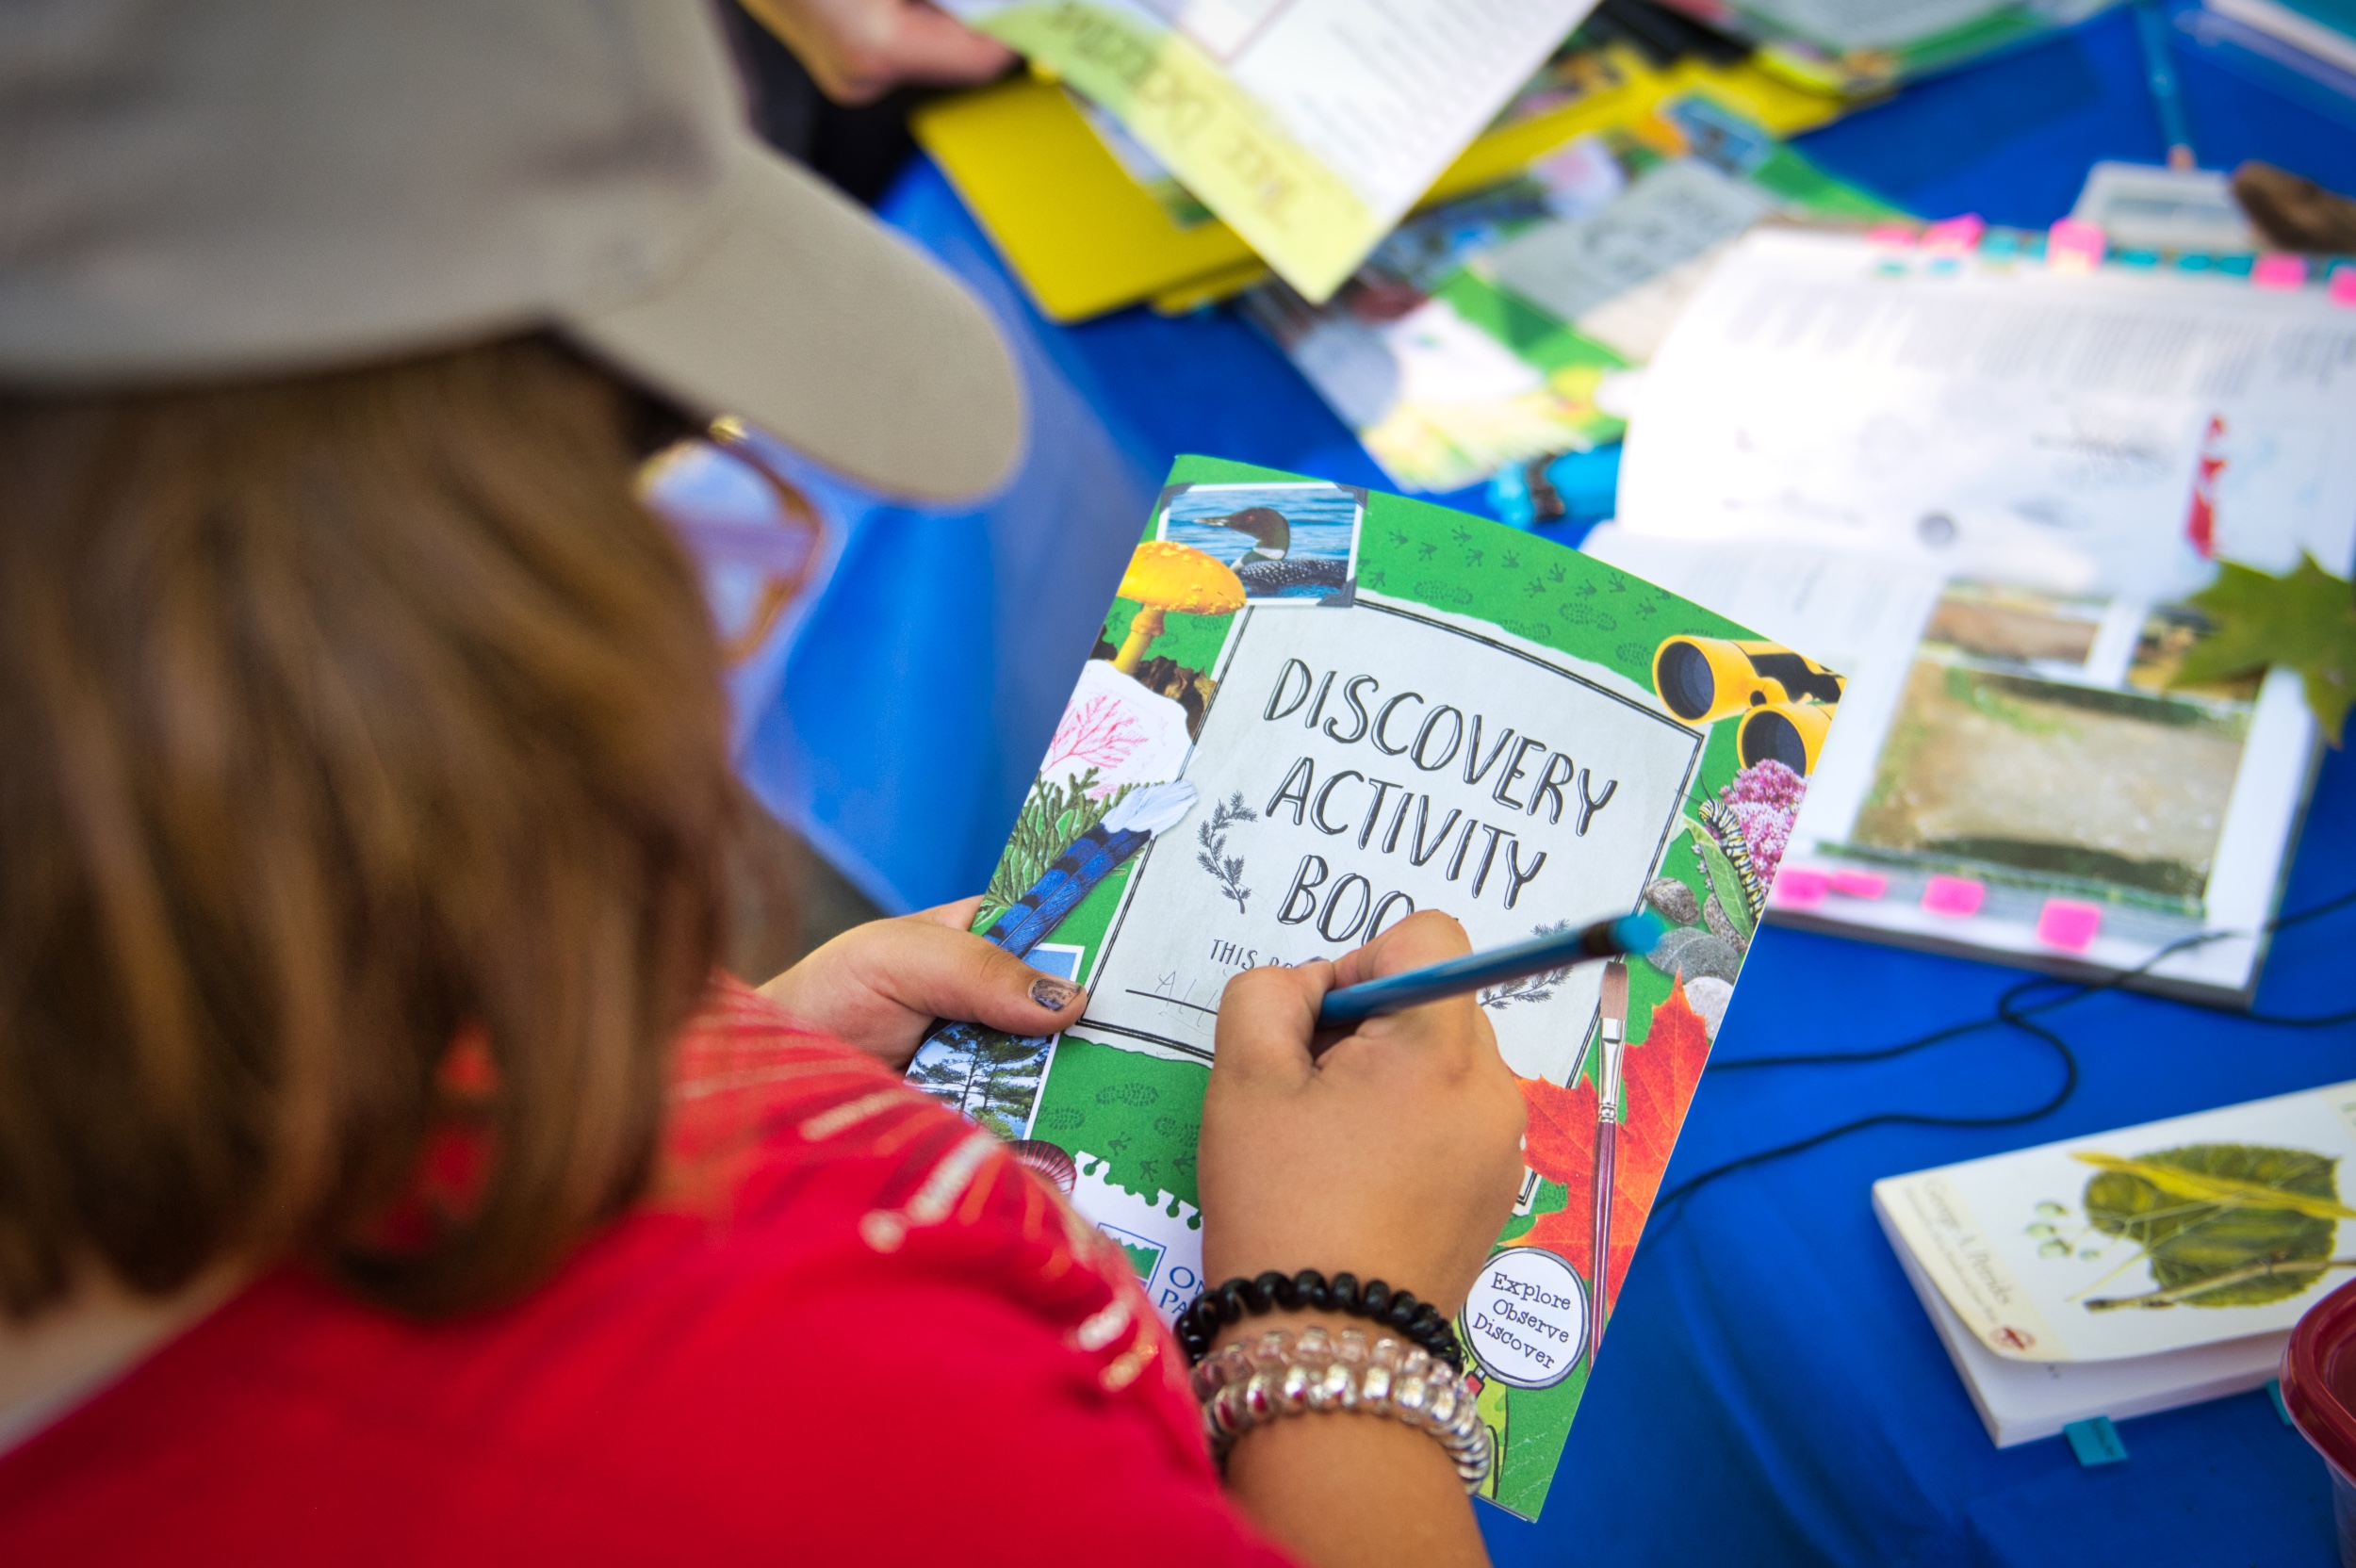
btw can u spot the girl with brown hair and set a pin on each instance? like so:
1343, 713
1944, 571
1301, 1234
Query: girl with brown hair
383, 1173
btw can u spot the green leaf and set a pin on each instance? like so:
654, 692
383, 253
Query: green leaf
2253, 1255
2227, 1191
2305, 621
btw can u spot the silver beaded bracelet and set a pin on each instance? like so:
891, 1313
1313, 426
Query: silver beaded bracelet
1242, 1386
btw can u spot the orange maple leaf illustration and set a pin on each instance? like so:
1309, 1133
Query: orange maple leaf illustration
1658, 1079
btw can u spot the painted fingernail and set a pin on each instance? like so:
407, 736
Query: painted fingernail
1055, 995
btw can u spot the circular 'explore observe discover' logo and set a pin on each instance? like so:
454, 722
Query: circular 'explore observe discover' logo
1525, 1319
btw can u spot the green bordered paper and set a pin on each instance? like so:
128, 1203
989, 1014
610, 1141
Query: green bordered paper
1316, 710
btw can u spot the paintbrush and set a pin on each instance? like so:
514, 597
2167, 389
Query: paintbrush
1610, 939
1611, 1034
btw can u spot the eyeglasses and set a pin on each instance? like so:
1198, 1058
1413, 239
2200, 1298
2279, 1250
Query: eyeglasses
739, 517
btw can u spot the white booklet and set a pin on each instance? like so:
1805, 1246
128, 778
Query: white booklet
1310, 127
2130, 1271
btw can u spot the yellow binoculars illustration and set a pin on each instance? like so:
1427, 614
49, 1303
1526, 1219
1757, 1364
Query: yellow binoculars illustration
1791, 733
1787, 700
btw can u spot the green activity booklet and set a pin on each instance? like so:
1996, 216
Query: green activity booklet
1313, 711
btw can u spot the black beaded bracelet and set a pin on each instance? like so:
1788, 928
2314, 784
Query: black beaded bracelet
1309, 1290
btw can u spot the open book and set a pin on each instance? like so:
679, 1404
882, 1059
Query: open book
1310, 127
2132, 1271
1985, 483
1313, 711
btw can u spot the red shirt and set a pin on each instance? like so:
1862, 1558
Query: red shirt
846, 1328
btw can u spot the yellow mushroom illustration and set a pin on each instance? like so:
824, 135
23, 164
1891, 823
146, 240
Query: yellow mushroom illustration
1163, 577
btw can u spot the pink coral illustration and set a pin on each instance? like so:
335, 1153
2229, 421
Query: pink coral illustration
1096, 733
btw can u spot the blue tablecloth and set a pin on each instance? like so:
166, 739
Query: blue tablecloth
1773, 1393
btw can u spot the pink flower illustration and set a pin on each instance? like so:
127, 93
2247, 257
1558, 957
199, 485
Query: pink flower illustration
1096, 733
1764, 800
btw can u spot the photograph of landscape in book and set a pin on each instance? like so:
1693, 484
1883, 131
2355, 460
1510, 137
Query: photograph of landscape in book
1521, 736
2016, 754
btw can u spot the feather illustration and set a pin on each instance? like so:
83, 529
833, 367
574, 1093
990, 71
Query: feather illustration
1093, 855
1128, 827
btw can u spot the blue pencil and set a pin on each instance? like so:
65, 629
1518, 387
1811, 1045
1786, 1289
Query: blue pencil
2159, 74
1633, 934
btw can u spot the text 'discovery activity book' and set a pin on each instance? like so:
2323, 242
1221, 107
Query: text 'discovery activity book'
1315, 711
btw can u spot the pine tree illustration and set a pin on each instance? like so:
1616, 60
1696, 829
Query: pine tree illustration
1227, 869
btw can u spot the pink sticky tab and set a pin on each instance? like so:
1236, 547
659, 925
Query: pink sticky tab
1800, 889
2073, 247
2277, 270
2065, 923
1896, 236
2343, 289
1859, 883
1953, 236
1953, 896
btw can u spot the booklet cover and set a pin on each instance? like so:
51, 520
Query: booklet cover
1314, 710
1310, 127
2156, 1238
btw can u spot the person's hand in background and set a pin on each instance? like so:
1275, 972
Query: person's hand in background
881, 986
859, 50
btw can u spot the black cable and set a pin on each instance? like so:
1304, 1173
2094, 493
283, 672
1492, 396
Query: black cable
2312, 1020
2008, 1013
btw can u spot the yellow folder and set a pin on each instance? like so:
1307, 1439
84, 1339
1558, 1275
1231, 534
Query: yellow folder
1085, 237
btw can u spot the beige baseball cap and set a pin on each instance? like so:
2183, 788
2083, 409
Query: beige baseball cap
202, 189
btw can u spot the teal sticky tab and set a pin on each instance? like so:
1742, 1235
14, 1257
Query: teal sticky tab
2274, 1392
2095, 1442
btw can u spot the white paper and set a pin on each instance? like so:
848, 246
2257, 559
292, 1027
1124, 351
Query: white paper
1387, 94
1673, 212
2005, 425
2149, 207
